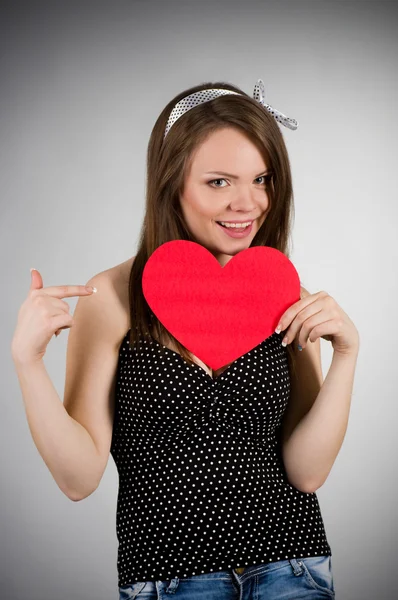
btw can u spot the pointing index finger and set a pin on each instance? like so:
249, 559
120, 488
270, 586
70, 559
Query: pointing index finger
68, 291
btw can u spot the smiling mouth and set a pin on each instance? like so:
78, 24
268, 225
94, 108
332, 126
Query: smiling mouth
238, 228
234, 228
236, 232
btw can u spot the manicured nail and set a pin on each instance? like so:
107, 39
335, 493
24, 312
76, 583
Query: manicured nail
278, 329
91, 288
284, 342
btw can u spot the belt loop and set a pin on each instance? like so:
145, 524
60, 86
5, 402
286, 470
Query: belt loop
173, 585
297, 566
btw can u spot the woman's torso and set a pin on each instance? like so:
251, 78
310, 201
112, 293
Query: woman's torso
262, 414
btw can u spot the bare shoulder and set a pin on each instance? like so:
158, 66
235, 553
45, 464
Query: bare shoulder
113, 287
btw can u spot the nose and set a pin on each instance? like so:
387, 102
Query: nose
243, 201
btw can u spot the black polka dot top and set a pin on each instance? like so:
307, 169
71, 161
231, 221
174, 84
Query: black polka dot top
202, 486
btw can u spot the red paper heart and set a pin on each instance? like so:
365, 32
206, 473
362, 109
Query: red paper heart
219, 313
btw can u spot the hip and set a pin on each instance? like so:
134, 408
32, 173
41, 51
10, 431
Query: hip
308, 577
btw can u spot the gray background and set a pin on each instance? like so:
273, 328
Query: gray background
82, 84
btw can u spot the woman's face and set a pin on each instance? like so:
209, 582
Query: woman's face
210, 196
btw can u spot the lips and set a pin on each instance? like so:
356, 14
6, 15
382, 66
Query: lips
236, 232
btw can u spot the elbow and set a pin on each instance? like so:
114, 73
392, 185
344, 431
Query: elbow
306, 488
311, 488
303, 486
76, 497
73, 496
298, 479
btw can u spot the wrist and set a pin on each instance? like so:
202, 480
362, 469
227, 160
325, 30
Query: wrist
349, 354
27, 363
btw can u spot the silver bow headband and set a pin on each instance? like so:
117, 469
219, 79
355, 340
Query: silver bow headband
205, 95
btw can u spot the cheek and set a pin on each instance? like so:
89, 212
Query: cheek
198, 215
203, 207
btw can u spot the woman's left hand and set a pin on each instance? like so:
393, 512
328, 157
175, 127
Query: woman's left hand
319, 315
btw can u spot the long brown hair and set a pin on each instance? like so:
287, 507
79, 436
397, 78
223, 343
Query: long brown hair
167, 161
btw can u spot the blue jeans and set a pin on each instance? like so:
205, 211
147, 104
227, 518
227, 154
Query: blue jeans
293, 579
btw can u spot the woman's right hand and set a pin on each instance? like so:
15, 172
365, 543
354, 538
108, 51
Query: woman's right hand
42, 315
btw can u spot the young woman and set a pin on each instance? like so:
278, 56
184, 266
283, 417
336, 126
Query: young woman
218, 470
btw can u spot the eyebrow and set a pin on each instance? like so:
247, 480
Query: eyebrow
234, 176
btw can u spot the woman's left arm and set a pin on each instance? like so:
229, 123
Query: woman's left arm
314, 443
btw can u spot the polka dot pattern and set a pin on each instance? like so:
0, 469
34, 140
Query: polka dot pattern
202, 486
201, 96
191, 101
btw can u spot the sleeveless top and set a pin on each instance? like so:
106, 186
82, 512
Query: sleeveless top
202, 484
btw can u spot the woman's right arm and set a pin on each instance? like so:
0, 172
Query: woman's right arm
74, 436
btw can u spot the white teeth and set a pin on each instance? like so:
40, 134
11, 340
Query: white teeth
235, 225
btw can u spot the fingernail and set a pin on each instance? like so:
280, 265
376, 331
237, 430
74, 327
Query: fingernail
91, 288
278, 329
32, 269
284, 343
